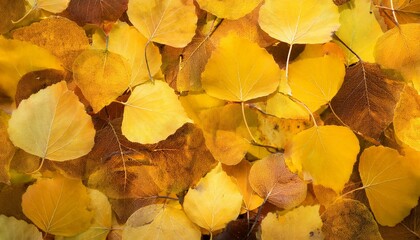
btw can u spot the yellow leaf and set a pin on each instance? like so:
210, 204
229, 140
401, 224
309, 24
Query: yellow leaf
233, 74
271, 179
302, 223
391, 187
240, 173
152, 113
407, 118
315, 81
169, 22
58, 206
14, 229
361, 38
299, 22
282, 106
195, 103
18, 58
214, 202
229, 9
161, 221
52, 124
130, 44
8, 150
398, 47
104, 83
325, 154
54, 6
102, 219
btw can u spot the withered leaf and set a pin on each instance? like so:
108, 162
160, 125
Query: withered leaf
11, 10
96, 12
60, 36
406, 11
366, 100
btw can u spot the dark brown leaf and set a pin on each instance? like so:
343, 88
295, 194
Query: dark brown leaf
11, 10
366, 100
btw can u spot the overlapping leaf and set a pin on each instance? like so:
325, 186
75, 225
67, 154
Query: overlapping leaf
161, 221
12, 10
299, 22
366, 101
228, 9
152, 113
54, 6
58, 206
171, 22
233, 74
390, 185
52, 124
272, 180
8, 149
14, 229
317, 154
398, 11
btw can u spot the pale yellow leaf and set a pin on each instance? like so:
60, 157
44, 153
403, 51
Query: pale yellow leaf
282, 106
14, 229
52, 124
54, 6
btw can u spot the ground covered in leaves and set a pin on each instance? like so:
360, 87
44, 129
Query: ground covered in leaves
206, 119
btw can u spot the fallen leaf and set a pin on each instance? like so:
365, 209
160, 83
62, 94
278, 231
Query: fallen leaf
400, 11
14, 229
282, 106
161, 221
103, 84
58, 206
12, 10
407, 118
54, 6
62, 37
96, 12
18, 58
7, 149
349, 219
272, 180
214, 201
299, 223
170, 22
52, 124
299, 22
233, 74
317, 154
390, 185
321, 85
366, 100
229, 9
360, 38
152, 113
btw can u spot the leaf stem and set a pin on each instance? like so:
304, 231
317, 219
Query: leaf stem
39, 168
345, 45
256, 218
122, 154
303, 105
246, 122
287, 62
393, 12
147, 61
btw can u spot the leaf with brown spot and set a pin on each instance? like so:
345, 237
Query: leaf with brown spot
62, 37
366, 100
96, 12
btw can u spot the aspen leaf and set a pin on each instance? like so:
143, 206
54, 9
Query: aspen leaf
391, 187
299, 223
96, 12
240, 173
398, 48
233, 74
320, 86
214, 201
170, 22
272, 180
402, 11
54, 6
103, 84
130, 44
318, 155
366, 100
52, 124
361, 38
348, 219
161, 221
102, 219
58, 206
18, 58
229, 9
12, 10
14, 229
299, 22
195, 103
62, 37
7, 149
152, 113
282, 106
407, 118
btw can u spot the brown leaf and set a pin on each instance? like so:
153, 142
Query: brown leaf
7, 149
366, 100
406, 11
349, 220
271, 179
96, 12
11, 10
60, 36
11, 199
237, 230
